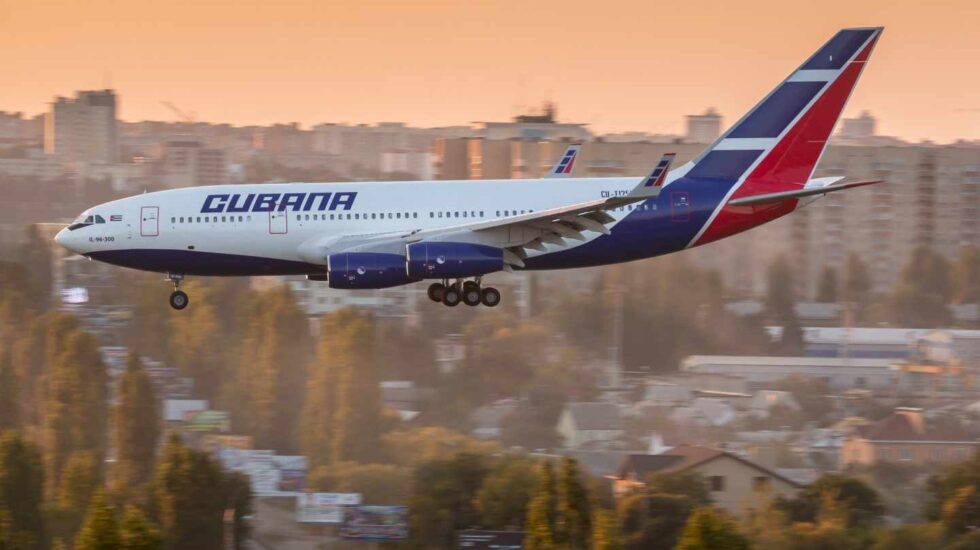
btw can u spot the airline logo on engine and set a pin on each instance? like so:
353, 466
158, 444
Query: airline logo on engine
267, 202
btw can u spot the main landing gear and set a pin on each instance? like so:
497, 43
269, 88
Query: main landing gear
470, 293
178, 298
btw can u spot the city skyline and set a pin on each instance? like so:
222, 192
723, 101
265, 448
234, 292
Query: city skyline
385, 61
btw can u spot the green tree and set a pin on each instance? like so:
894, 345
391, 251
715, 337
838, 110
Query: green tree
857, 284
190, 497
573, 525
542, 512
443, 499
827, 285
505, 493
193, 334
856, 501
653, 521
137, 426
35, 256
781, 306
413, 446
238, 499
924, 291
75, 400
150, 329
137, 533
342, 417
21, 491
275, 352
79, 480
708, 530
605, 532
9, 394
687, 484
100, 531
966, 276
375, 482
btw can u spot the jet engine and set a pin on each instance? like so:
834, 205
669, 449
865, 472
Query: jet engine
440, 260
354, 270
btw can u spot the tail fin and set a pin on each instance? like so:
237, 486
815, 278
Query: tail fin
775, 147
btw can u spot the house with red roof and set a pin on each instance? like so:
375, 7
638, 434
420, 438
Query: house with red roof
907, 436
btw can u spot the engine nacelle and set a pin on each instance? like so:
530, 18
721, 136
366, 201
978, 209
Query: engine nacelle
438, 260
367, 270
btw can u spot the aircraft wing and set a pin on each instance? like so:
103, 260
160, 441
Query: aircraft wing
513, 234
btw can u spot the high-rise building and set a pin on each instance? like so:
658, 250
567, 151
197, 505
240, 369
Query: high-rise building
862, 127
704, 128
84, 128
186, 162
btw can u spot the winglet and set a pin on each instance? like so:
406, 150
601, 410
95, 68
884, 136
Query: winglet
651, 185
563, 168
659, 173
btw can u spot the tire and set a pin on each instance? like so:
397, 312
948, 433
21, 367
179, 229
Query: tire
179, 299
435, 291
470, 284
490, 297
451, 296
472, 295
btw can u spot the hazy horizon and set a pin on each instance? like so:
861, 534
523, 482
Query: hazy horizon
621, 66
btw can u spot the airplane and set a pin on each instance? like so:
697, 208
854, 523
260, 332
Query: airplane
455, 233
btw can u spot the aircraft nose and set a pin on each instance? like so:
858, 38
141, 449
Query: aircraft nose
63, 238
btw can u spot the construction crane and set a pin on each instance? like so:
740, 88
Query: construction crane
184, 116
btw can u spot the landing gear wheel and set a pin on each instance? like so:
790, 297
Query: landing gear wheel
472, 294
490, 297
451, 296
436, 291
178, 299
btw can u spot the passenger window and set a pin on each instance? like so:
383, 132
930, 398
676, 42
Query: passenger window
181, 219
207, 219
239, 218
331, 216
223, 218
299, 217
348, 216
173, 220
415, 214
498, 213
199, 219
481, 213
248, 218
464, 213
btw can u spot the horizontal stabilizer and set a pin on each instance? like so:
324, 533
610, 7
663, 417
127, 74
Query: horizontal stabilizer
769, 198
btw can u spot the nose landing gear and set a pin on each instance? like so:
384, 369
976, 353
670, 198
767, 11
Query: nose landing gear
178, 298
470, 293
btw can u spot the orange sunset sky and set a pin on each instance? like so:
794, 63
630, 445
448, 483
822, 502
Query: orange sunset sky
617, 65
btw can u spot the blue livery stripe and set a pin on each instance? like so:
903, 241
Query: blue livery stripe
723, 165
841, 47
771, 117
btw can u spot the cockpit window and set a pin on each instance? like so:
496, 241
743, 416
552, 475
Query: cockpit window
99, 219
84, 220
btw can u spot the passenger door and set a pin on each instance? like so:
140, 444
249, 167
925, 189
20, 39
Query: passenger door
278, 221
150, 221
